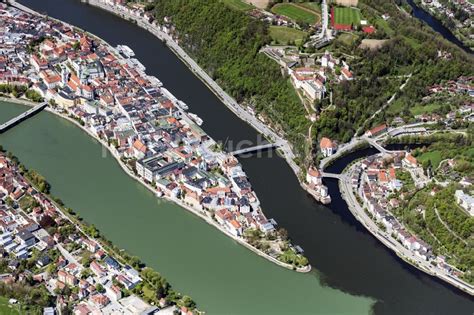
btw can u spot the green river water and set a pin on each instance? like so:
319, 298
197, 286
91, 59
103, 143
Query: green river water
220, 275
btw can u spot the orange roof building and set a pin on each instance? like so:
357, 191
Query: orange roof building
410, 160
313, 176
327, 146
376, 130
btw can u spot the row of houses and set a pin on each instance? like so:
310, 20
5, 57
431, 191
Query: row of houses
378, 181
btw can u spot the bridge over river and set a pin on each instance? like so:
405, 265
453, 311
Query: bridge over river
15, 120
258, 148
415, 128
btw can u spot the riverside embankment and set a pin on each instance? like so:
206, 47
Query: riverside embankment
339, 248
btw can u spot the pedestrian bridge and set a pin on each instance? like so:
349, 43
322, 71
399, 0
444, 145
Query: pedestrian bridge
257, 148
12, 122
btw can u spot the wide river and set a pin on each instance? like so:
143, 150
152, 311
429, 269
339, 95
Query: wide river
222, 276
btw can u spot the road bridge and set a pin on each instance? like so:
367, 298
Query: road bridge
257, 148
377, 146
12, 122
353, 145
331, 175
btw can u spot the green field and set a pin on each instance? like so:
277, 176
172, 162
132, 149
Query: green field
433, 156
296, 13
6, 308
425, 109
381, 23
238, 5
347, 16
313, 6
347, 38
412, 42
284, 35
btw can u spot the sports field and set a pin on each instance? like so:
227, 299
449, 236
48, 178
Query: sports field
295, 12
314, 6
346, 16
284, 35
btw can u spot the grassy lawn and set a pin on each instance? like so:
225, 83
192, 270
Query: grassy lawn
238, 5
381, 23
346, 16
284, 35
6, 308
148, 292
295, 12
412, 42
347, 38
313, 6
395, 107
433, 156
424, 109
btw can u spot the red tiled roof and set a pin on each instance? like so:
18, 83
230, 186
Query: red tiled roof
326, 143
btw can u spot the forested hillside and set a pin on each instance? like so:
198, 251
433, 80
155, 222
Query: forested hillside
226, 44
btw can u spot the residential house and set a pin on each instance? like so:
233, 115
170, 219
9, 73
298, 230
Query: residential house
327, 146
313, 176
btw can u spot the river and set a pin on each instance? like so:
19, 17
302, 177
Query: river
436, 25
223, 277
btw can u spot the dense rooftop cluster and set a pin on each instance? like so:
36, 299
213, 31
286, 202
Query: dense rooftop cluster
37, 240
118, 102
